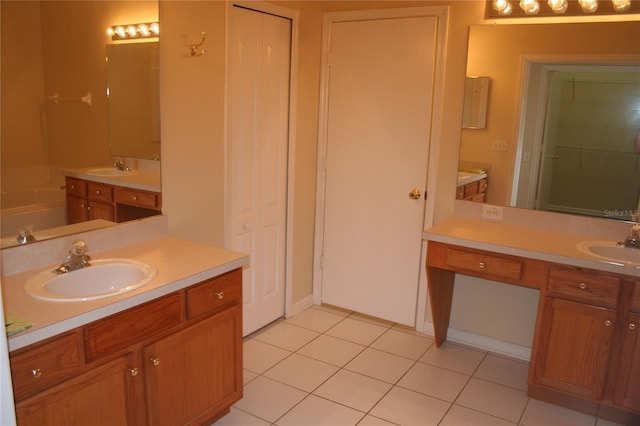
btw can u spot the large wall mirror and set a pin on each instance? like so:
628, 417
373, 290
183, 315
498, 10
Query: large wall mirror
563, 119
56, 114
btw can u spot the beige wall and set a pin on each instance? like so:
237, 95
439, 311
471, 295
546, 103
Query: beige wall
192, 119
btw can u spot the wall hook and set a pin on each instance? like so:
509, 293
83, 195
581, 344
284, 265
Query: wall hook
193, 50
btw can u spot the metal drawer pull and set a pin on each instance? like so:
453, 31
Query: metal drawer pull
219, 294
482, 265
583, 286
97, 192
155, 361
134, 198
632, 326
608, 323
36, 373
133, 371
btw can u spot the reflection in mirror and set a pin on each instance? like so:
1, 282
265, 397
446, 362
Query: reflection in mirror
578, 158
54, 106
476, 96
133, 97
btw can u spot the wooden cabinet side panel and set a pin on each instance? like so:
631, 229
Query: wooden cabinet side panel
197, 372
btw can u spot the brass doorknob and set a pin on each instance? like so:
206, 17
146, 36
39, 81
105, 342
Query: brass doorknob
415, 194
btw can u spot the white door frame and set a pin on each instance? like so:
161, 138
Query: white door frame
442, 14
284, 12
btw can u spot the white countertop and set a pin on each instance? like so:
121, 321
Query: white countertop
468, 177
180, 263
139, 179
518, 240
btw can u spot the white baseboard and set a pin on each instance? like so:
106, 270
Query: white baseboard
485, 343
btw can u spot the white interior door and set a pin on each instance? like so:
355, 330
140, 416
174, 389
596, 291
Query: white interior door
257, 131
379, 106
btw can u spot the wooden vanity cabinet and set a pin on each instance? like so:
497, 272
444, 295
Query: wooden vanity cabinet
473, 191
156, 363
89, 200
586, 349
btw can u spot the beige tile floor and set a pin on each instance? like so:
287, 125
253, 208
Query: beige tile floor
331, 367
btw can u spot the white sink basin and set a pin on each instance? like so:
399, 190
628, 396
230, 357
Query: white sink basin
109, 171
104, 278
610, 251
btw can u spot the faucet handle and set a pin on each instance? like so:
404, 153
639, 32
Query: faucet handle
79, 248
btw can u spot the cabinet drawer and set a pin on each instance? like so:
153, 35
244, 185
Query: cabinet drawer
100, 192
583, 286
215, 294
485, 265
136, 197
76, 187
635, 297
44, 365
126, 328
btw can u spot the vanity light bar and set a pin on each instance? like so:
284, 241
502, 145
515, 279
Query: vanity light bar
134, 31
504, 8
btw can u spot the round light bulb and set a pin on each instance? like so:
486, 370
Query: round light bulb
588, 6
558, 6
621, 5
530, 7
155, 28
132, 31
143, 30
120, 31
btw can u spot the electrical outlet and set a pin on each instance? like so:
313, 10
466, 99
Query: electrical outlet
499, 145
491, 212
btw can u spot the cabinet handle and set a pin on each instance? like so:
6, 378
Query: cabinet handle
97, 192
583, 286
219, 294
482, 265
36, 373
608, 323
155, 361
632, 326
133, 371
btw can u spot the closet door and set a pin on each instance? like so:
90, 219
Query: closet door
257, 132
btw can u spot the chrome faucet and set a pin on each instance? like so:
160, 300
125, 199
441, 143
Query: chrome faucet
633, 239
121, 165
77, 258
25, 235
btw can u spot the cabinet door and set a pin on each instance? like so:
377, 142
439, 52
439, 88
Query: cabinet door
76, 210
101, 211
574, 349
627, 391
195, 374
102, 396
